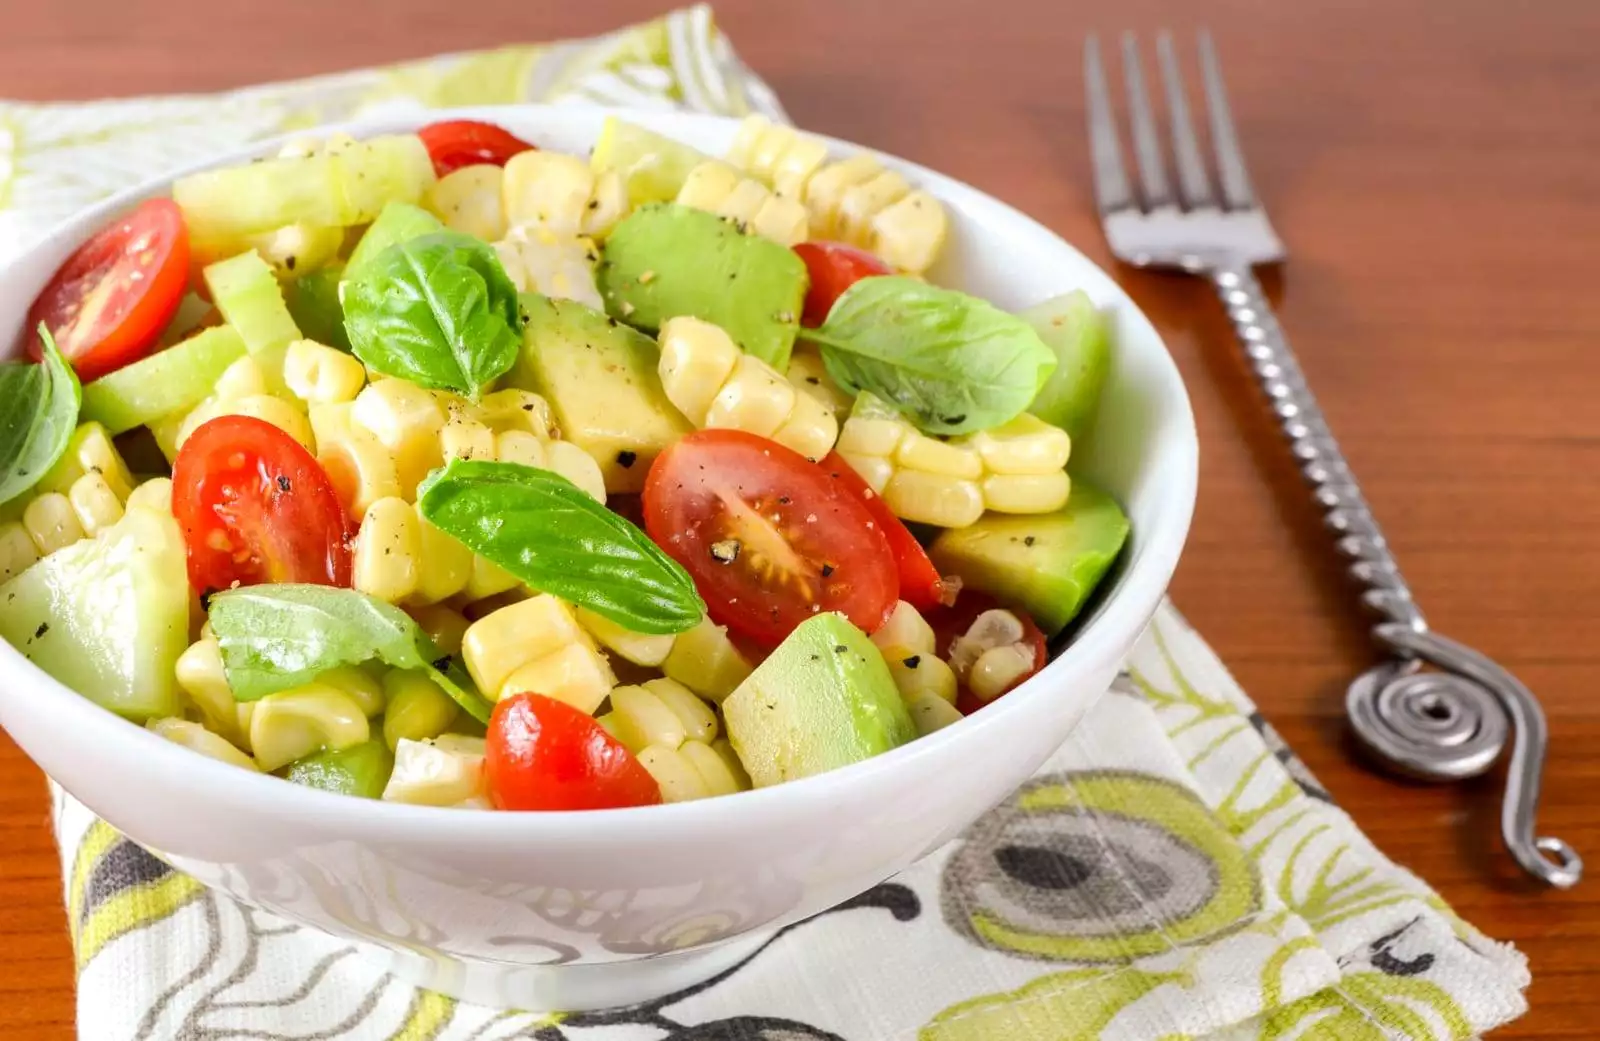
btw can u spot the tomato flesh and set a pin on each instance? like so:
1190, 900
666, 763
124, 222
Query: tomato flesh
256, 507
108, 303
455, 143
544, 754
768, 537
833, 267
920, 583
951, 622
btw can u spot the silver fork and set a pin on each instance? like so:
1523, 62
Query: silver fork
1448, 722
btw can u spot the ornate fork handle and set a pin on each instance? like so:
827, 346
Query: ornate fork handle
1439, 725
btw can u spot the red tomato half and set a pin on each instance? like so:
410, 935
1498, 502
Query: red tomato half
455, 143
950, 622
256, 507
768, 537
833, 267
543, 754
108, 304
920, 583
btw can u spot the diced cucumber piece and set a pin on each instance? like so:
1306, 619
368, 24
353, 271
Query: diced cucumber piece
361, 770
653, 167
313, 302
108, 616
399, 222
1080, 337
346, 188
170, 381
249, 297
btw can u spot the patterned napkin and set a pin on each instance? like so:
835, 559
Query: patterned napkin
1172, 873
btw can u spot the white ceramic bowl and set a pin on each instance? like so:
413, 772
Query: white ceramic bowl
586, 910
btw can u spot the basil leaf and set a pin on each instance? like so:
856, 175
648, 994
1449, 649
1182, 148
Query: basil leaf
274, 637
952, 363
38, 412
437, 310
550, 534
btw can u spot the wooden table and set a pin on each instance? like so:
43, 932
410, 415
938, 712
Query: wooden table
1435, 167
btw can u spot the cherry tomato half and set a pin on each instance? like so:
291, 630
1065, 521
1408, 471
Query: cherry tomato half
544, 754
950, 622
108, 304
768, 537
920, 583
833, 267
256, 507
455, 143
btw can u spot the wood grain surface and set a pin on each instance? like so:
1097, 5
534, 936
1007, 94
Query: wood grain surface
1434, 166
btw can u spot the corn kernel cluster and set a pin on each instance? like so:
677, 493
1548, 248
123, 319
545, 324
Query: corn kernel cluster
992, 655
537, 645
84, 493
718, 188
925, 681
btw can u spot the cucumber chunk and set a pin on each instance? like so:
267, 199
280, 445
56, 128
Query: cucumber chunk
653, 167
1077, 334
108, 616
170, 381
399, 222
361, 770
248, 295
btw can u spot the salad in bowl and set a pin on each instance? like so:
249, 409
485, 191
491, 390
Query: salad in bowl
441, 468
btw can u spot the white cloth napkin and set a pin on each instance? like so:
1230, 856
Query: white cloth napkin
1172, 873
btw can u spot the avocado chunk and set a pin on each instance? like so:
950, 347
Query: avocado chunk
601, 381
668, 260
361, 770
108, 616
1077, 333
1047, 563
397, 222
822, 700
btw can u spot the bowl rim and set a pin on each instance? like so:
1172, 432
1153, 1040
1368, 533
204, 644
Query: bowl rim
1142, 585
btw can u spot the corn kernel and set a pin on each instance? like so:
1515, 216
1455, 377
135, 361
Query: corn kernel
706, 661
293, 724
720, 776
462, 438
243, 379
920, 452
551, 189
269, 409
17, 550
872, 437
488, 579
577, 466
784, 221
697, 358
470, 200
500, 643
406, 420
933, 498
810, 376
1025, 445
89, 450
754, 399
919, 673
873, 469
607, 205
360, 685
95, 504
827, 187
417, 709
444, 565
698, 719
707, 185
909, 234
360, 469
445, 626
197, 738
514, 409
444, 771
576, 674
861, 202
519, 446
810, 429
387, 551
930, 712
906, 628
640, 719
676, 776
154, 494
998, 669
1027, 493
321, 375
51, 522
199, 672
993, 628
648, 649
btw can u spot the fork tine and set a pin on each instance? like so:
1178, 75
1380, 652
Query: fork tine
1146, 144
1193, 185
1230, 160
1105, 152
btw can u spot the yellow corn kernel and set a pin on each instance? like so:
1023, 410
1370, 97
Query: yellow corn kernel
721, 777
243, 379
488, 579
293, 248
243, 713
1025, 445
648, 649
810, 429
360, 469
154, 494
784, 221
444, 771
639, 719
905, 628
697, 358
948, 502
197, 738
753, 133
406, 420
707, 185
998, 669
519, 446
523, 410
607, 205
778, 155
930, 712
827, 187
89, 450
444, 565
51, 522
755, 399
810, 376
706, 661
873, 436
920, 452
95, 504
293, 724
909, 234
330, 422
470, 200
362, 686
462, 438
416, 708
320, 375
1027, 493
199, 672
698, 719
874, 469
445, 626
17, 550
548, 188
560, 266
861, 202
499, 643
674, 774
264, 407
577, 466
387, 551
576, 674
919, 673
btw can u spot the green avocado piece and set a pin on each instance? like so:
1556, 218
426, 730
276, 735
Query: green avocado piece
397, 222
361, 770
601, 380
313, 302
108, 616
1077, 332
822, 700
1046, 563
668, 260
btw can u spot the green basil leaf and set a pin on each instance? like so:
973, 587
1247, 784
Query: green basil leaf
274, 637
552, 535
38, 412
437, 310
952, 363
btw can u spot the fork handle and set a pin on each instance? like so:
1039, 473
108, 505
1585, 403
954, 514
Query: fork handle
1441, 725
